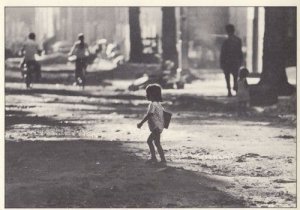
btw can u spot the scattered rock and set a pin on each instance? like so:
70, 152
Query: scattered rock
285, 137
241, 159
251, 155
270, 158
284, 181
119, 90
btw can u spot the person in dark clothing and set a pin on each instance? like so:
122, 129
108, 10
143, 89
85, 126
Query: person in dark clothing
29, 49
81, 50
231, 57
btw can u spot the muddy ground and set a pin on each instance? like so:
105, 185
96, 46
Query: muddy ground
67, 147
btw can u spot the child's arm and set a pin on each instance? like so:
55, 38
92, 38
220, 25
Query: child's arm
139, 125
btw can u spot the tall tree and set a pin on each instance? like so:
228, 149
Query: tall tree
169, 35
136, 46
275, 50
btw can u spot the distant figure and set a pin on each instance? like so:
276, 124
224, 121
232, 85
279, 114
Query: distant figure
155, 120
243, 96
231, 57
29, 49
81, 51
101, 48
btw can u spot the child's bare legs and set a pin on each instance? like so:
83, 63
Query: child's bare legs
159, 147
155, 136
151, 146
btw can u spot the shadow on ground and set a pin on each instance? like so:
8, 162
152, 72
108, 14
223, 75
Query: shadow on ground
210, 106
99, 174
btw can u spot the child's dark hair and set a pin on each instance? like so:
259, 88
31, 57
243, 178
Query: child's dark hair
153, 92
243, 72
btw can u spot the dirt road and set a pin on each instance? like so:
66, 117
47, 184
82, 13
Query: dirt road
71, 148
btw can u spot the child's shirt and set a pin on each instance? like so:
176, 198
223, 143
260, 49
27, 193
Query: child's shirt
156, 121
243, 90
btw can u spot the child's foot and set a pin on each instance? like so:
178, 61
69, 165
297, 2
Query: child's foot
151, 161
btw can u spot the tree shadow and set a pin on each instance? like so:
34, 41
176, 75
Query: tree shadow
63, 92
100, 174
14, 117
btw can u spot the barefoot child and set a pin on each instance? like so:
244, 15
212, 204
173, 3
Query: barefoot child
155, 120
243, 91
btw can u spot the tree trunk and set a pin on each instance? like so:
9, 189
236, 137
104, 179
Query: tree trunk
169, 35
136, 46
274, 51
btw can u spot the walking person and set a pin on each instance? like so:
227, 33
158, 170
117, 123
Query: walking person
231, 57
81, 51
155, 118
243, 95
29, 49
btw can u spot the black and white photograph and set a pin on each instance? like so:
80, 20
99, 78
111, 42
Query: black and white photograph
150, 106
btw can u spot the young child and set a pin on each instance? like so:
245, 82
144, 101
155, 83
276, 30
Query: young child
155, 120
243, 91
